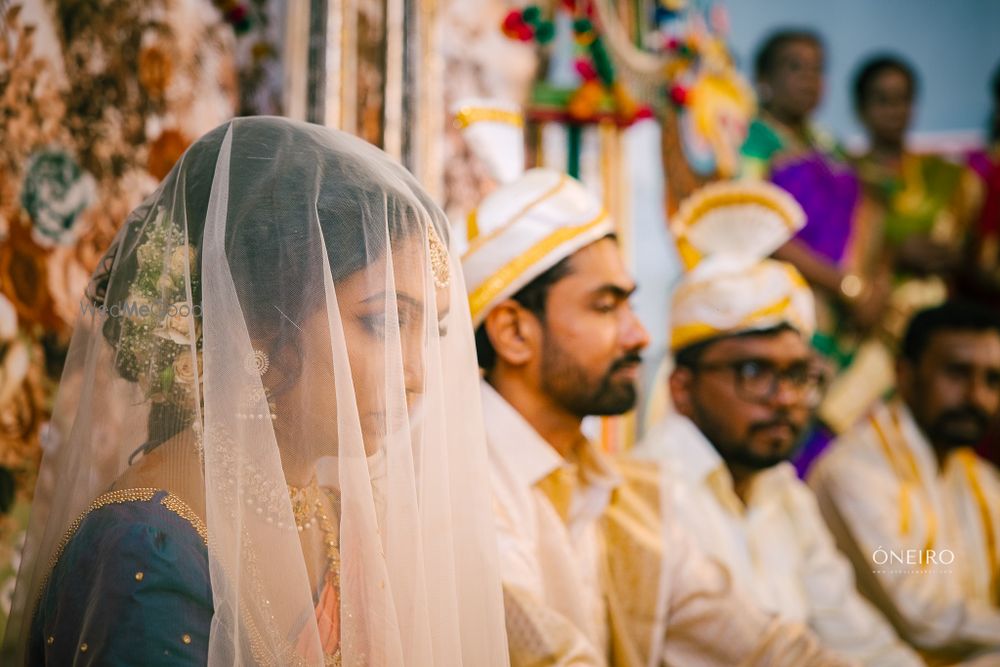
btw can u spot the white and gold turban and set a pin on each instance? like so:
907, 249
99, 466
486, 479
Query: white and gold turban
725, 232
534, 220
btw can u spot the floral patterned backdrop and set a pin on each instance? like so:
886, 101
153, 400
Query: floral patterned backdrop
98, 99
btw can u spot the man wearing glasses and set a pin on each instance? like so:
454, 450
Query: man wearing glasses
744, 388
593, 576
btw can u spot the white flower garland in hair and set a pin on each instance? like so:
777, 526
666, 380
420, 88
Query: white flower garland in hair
159, 322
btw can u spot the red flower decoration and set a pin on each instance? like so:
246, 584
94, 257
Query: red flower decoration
514, 27
512, 21
586, 70
237, 14
643, 113
678, 95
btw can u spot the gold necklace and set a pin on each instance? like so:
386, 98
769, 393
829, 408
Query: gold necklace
332, 577
306, 502
307, 505
308, 511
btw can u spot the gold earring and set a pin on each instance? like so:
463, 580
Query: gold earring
256, 363
438, 252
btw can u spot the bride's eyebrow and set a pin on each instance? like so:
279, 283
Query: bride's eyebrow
400, 297
407, 299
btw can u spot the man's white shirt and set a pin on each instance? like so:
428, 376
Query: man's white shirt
886, 499
776, 546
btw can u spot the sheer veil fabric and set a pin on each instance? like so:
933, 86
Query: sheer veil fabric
284, 310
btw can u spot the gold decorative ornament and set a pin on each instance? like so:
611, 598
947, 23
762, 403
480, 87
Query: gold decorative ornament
466, 116
440, 264
257, 362
851, 286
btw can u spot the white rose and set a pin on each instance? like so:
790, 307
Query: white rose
181, 258
184, 368
147, 254
176, 325
138, 307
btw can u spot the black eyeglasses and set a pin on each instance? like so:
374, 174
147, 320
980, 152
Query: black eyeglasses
757, 380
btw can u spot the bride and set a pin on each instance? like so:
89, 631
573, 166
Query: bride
267, 447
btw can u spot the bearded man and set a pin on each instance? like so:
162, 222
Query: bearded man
910, 501
593, 573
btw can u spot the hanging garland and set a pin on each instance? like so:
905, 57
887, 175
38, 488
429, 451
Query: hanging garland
683, 67
527, 25
600, 96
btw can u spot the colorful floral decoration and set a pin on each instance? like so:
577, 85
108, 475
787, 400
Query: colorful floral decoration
599, 95
676, 59
55, 193
21, 406
711, 104
22, 410
165, 151
156, 69
528, 24
90, 119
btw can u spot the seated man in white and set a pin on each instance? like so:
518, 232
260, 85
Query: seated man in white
593, 575
743, 387
912, 504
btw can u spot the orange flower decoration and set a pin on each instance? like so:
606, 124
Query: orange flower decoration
165, 151
24, 276
585, 101
155, 70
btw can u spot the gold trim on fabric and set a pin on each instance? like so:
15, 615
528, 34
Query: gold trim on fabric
113, 497
466, 116
483, 240
170, 501
502, 278
688, 253
795, 276
559, 486
180, 508
738, 199
909, 474
686, 334
472, 226
967, 458
631, 547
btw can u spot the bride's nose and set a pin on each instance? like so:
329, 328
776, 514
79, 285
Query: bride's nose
413, 367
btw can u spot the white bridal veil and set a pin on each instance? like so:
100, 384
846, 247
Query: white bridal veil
284, 310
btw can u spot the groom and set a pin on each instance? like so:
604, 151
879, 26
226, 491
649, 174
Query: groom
591, 574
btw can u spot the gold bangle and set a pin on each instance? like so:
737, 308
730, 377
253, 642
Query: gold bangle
852, 286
